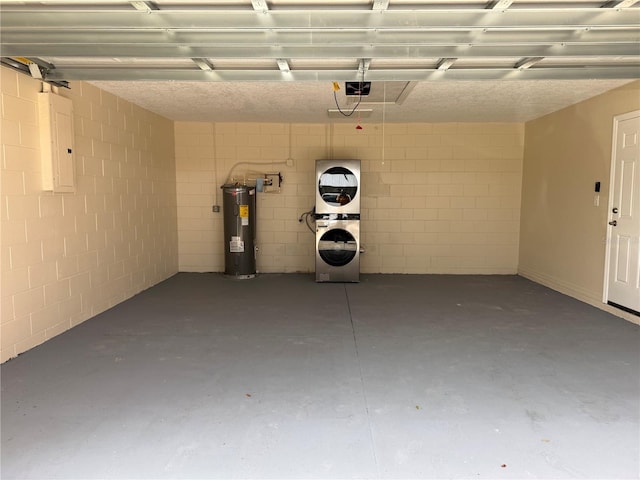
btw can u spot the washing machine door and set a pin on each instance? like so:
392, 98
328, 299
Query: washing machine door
337, 247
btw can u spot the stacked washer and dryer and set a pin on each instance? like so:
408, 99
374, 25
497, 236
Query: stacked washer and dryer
337, 218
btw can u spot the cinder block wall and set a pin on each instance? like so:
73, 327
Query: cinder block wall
438, 198
67, 257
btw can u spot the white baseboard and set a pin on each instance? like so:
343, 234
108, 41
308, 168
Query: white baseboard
577, 292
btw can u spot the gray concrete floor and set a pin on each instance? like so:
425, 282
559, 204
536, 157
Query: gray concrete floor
279, 377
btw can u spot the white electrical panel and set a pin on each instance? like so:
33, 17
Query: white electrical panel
56, 142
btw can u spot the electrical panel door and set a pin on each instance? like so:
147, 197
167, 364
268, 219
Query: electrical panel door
56, 145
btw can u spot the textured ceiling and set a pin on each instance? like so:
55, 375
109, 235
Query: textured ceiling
275, 60
464, 101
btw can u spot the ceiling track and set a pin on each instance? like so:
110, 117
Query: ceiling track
409, 36
146, 40
158, 74
310, 20
323, 53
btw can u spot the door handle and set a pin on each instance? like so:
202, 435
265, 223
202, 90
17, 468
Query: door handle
613, 223
615, 210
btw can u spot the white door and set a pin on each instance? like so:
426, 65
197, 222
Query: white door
622, 287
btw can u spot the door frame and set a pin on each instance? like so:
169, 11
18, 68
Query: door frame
617, 119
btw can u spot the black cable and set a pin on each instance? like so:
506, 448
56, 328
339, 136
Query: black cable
335, 98
305, 216
306, 220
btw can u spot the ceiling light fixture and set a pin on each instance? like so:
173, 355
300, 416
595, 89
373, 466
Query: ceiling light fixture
335, 113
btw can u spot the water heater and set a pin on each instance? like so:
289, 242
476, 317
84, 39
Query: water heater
239, 205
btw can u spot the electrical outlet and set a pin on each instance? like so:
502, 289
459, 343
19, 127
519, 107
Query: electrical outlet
216, 209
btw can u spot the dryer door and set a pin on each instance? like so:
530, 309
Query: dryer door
338, 186
337, 247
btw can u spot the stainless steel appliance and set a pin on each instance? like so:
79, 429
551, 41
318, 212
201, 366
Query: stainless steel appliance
337, 216
338, 186
337, 249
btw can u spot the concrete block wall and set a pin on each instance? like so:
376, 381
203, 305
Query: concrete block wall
437, 198
67, 257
